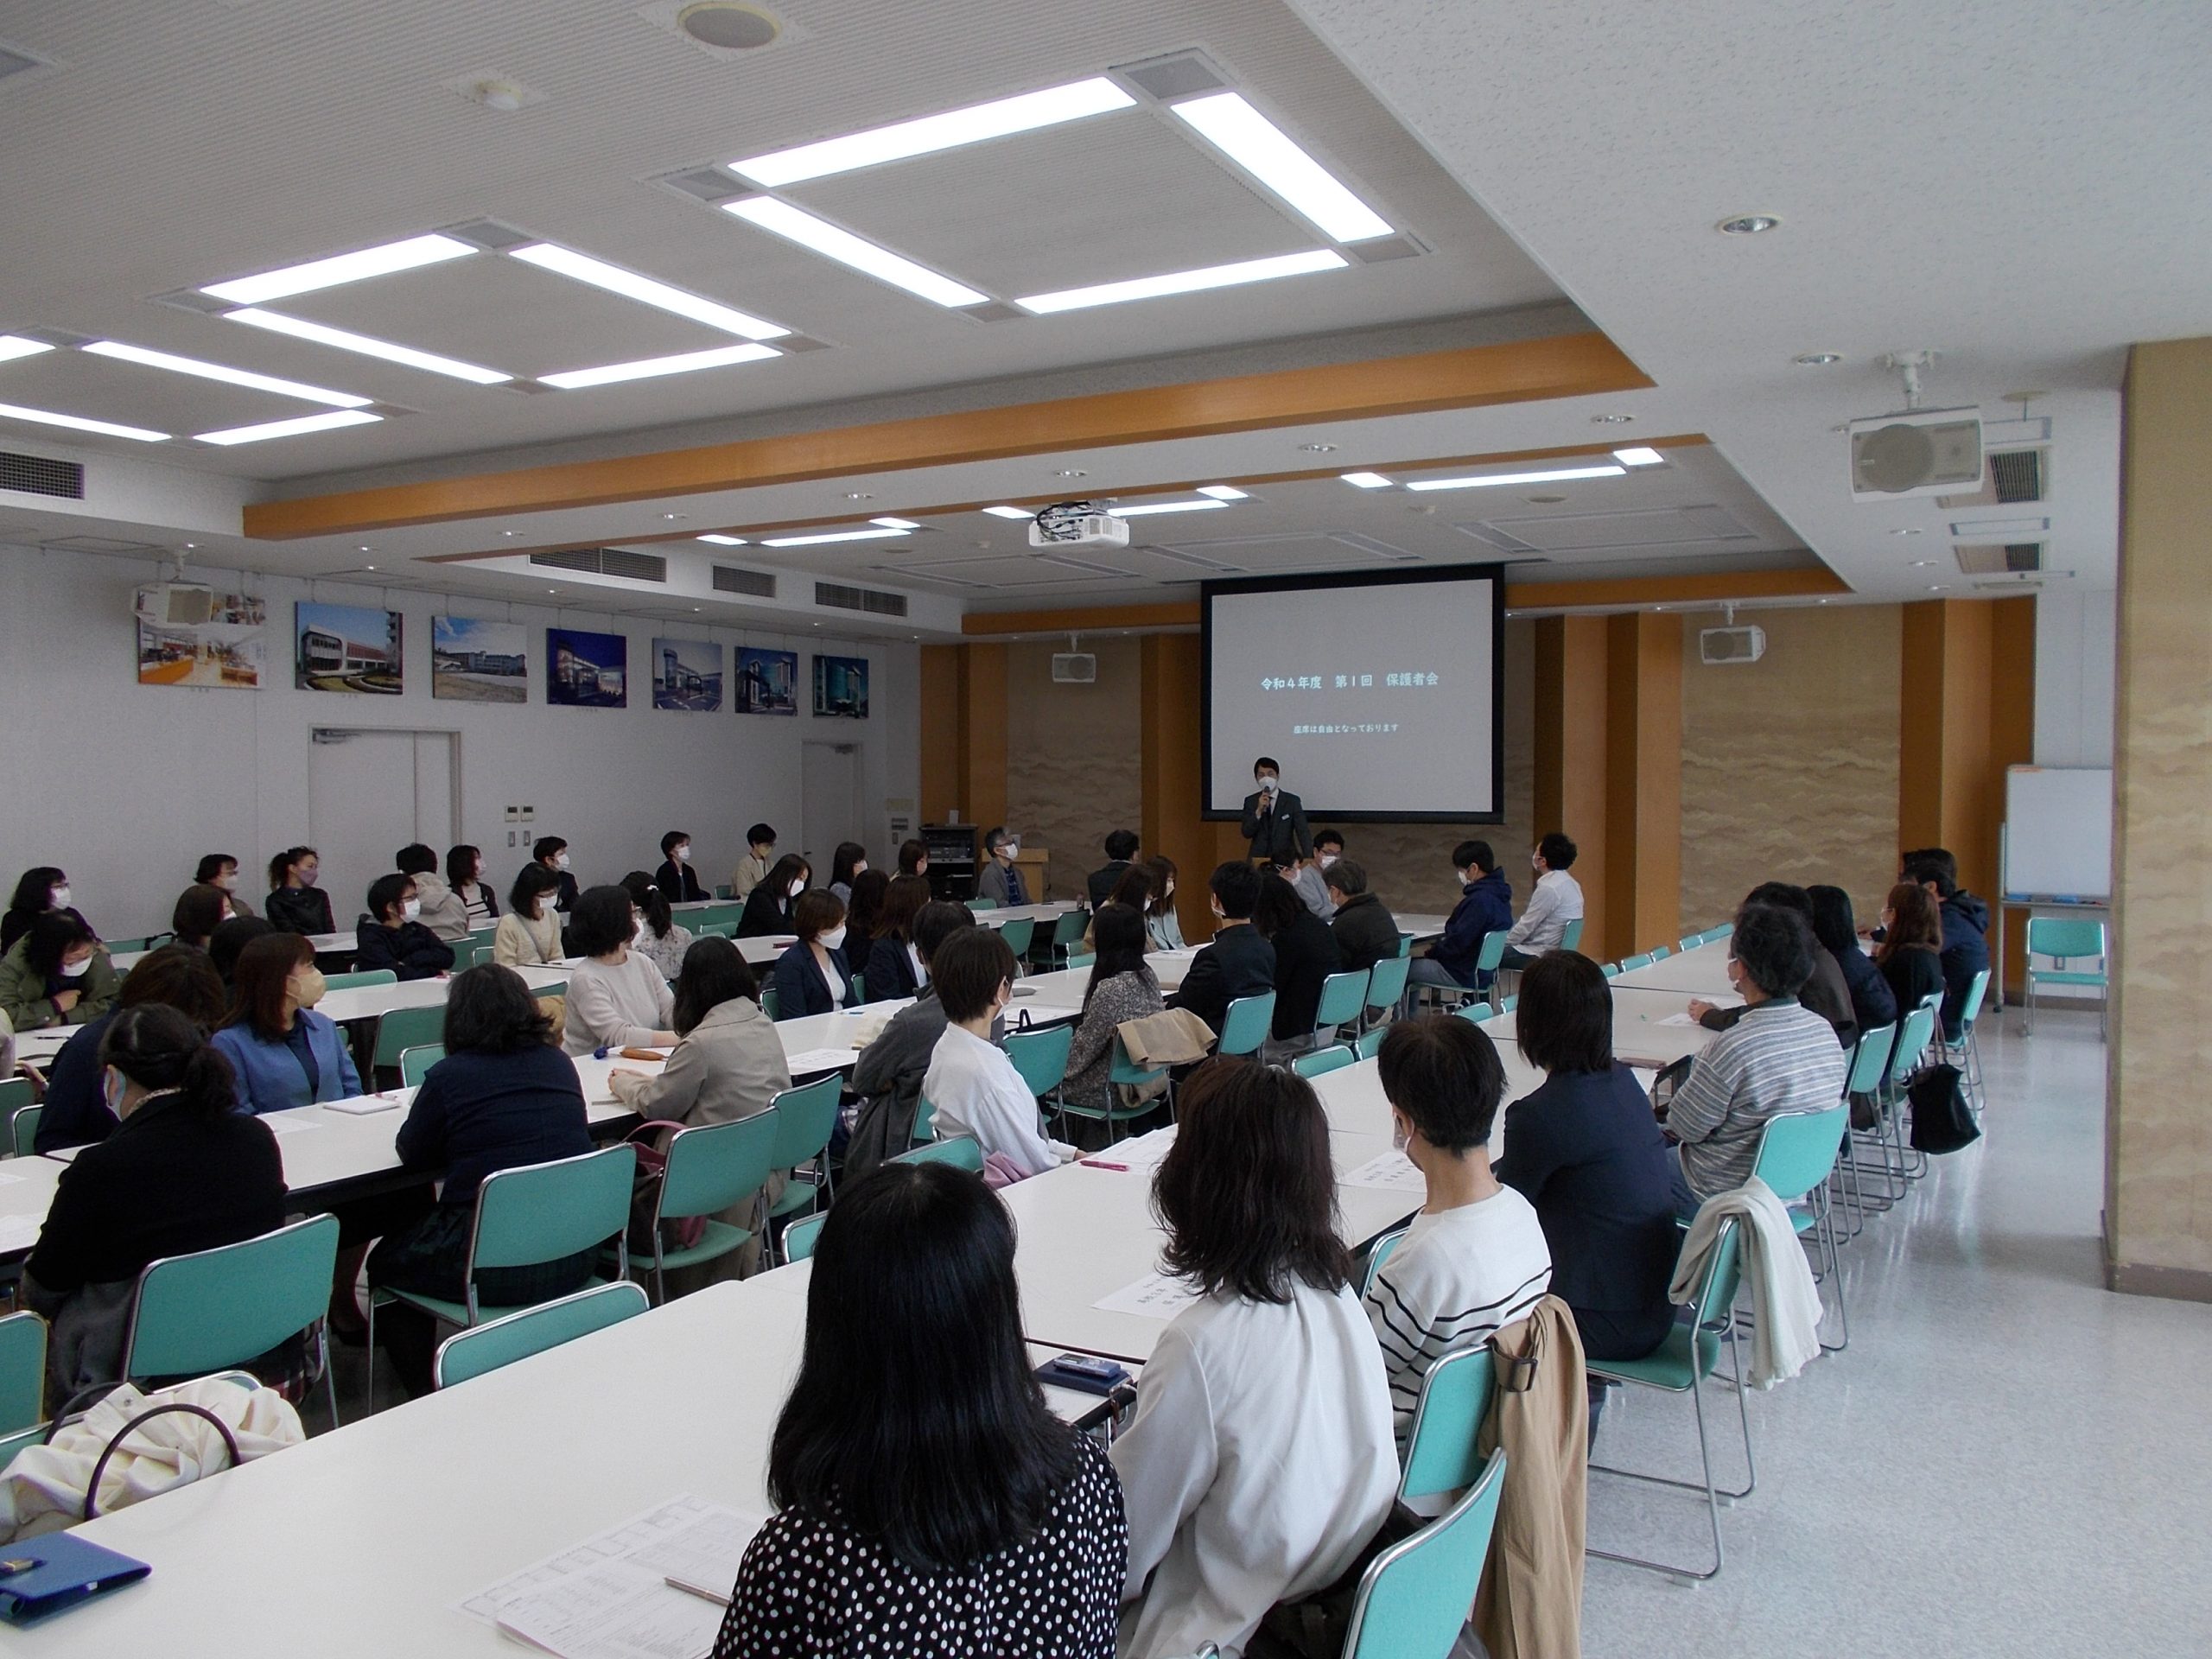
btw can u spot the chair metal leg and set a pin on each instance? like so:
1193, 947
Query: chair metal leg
329, 1377
371, 1340
1713, 1496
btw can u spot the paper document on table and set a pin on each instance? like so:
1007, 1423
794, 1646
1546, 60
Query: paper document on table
284, 1123
1388, 1171
18, 1232
1155, 1296
819, 1059
1140, 1155
1682, 1019
363, 1105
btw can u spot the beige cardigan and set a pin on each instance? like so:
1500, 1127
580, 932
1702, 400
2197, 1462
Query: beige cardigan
520, 943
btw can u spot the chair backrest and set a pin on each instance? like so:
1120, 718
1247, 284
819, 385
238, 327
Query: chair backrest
1018, 933
1571, 939
1492, 951
1385, 981
1414, 1596
1719, 932
1322, 1061
1041, 1057
1123, 1069
415, 1063
1870, 1060
488, 1347
770, 1003
1630, 964
1689, 941
963, 1150
1370, 1042
542, 1212
1079, 959
2065, 936
22, 1371
1797, 1151
716, 931
1343, 996
1475, 1013
1406, 944
1441, 1455
806, 1117
1245, 1026
217, 1308
1716, 1291
22, 1119
367, 976
982, 903
1377, 1254
1970, 1010
799, 1236
714, 1166
860, 988
1070, 928
1611, 970
405, 1028
1913, 1042
1660, 953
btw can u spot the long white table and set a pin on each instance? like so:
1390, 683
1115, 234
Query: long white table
1702, 970
1064, 987
26, 1191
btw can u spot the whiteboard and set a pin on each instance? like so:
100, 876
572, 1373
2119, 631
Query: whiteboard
2058, 832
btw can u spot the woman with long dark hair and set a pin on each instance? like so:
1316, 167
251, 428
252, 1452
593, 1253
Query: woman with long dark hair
1121, 988
284, 1054
42, 891
895, 968
662, 940
846, 864
76, 1110
296, 904
768, 907
864, 909
1874, 1004
465, 875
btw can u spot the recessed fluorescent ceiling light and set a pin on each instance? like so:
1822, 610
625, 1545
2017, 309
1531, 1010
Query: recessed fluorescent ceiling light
268, 429
795, 225
1269, 155
78, 423
1367, 480
722, 541
229, 377
931, 133
1639, 457
895, 523
582, 268
299, 329
1183, 282
1558, 476
1223, 491
646, 368
1150, 507
833, 535
1009, 512
15, 346
339, 268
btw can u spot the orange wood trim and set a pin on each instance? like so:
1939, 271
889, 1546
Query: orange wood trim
1570, 709
1670, 590
1569, 365
1643, 780
2012, 743
984, 748
1097, 619
942, 720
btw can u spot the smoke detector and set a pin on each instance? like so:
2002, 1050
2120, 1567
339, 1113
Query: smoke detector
721, 28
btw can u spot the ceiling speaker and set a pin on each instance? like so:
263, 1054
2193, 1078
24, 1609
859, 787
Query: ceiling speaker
1074, 668
1921, 452
1718, 646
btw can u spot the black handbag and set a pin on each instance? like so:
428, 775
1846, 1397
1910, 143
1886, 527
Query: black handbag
1941, 1120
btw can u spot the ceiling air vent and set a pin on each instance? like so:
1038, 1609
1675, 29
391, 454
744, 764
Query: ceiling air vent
2000, 558
874, 600
1176, 75
37, 475
604, 561
2018, 475
729, 579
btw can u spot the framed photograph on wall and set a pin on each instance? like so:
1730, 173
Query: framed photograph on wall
841, 687
478, 662
767, 682
228, 649
587, 670
688, 674
347, 648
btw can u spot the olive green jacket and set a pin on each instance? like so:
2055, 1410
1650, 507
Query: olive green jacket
23, 996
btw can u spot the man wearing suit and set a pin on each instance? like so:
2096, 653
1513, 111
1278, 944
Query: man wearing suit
1274, 822
1239, 963
1121, 848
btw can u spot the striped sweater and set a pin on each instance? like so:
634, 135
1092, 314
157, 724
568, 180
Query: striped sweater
1779, 1057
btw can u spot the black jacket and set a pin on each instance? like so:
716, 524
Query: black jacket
1874, 1004
1239, 963
1965, 953
678, 883
1305, 954
300, 910
411, 950
477, 1113
765, 912
74, 1113
890, 971
1912, 973
800, 988
1278, 833
1102, 882
1366, 932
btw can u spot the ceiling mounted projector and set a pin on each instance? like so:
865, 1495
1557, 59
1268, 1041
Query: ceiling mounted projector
1917, 451
1078, 523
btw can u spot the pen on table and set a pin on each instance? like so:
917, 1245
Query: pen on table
1100, 1163
694, 1590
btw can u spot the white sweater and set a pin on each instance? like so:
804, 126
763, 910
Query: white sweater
976, 1090
616, 1004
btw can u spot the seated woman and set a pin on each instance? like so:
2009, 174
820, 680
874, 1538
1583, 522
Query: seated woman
864, 912
677, 881
57, 974
283, 1053
221, 870
1132, 888
503, 1096
847, 862
1265, 1398
296, 904
728, 1064
914, 1367
661, 940
1161, 924
391, 934
971, 1084
465, 876
1121, 988
229, 940
200, 910
183, 1172
1911, 960
617, 998
894, 965
42, 892
75, 1111
768, 906
1874, 1004
529, 935
1306, 955
814, 975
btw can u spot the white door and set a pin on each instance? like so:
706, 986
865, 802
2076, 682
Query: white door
370, 794
830, 801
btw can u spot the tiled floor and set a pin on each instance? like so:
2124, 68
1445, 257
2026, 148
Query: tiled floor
2007, 1460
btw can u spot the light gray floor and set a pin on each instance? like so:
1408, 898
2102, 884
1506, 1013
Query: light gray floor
2007, 1460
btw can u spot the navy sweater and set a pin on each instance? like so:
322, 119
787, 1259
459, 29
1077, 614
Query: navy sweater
1484, 907
476, 1113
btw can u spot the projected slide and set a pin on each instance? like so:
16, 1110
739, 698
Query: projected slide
1377, 695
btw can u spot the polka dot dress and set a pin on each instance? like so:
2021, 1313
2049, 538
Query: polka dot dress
811, 1588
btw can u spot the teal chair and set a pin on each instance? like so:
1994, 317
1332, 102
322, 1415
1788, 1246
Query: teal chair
22, 1113
723, 890
962, 1150
1041, 1057
405, 1028
799, 1237
1441, 1452
716, 931
805, 1118
1689, 941
711, 1167
1965, 1052
1796, 1156
1343, 999
1475, 1013
125, 947
1018, 935
1371, 1041
1611, 970
1120, 1069
1870, 1062
1414, 1596
1916, 1034
1377, 1254
1680, 1365
768, 1001
1630, 964
23, 1372
1719, 932
1572, 938
1067, 936
1405, 943
1660, 953
416, 1062
860, 988
527, 1215
1246, 1024
353, 982
1080, 959
1488, 959
487, 1347
1322, 1061
982, 903
1386, 986
215, 1309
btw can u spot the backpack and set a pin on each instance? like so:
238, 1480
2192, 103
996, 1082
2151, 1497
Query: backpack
1941, 1119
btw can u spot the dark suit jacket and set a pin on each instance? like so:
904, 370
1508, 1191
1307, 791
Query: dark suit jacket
1102, 882
800, 988
1280, 835
678, 884
765, 912
1305, 954
1239, 963
890, 971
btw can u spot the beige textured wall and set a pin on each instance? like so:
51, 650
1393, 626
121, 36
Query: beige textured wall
1072, 756
1789, 764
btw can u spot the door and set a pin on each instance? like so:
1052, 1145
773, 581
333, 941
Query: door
830, 802
370, 793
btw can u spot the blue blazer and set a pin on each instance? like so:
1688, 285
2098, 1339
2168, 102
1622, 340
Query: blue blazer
800, 988
270, 1076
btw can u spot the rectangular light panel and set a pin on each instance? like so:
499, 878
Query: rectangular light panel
192, 365
647, 368
1367, 480
833, 535
1147, 509
299, 329
339, 268
1270, 156
795, 225
1223, 491
1559, 475
723, 541
928, 134
1183, 282
894, 524
1639, 457
1009, 512
293, 429
582, 268
78, 423
15, 346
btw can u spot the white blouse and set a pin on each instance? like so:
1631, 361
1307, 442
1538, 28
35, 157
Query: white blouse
976, 1090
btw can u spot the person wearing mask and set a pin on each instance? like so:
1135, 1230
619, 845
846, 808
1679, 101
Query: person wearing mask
971, 1084
1000, 881
1966, 933
1911, 959
1133, 891
465, 875
76, 1112
1474, 1260
438, 907
182, 1171
1825, 992
1238, 962
894, 967
56, 973
1873, 1005
1305, 879
1366, 931
1780, 1058
616, 998
1306, 955
1120, 850
296, 904
1328, 848
552, 853
914, 1364
230, 939
221, 870
847, 862
529, 935
888, 1076
1485, 906
814, 975
42, 892
1258, 1461
1556, 901
1162, 926
759, 857
914, 858
200, 910
661, 939
1274, 820
502, 1097
283, 1053
768, 910
1584, 1148
1121, 988
864, 912
391, 933
679, 882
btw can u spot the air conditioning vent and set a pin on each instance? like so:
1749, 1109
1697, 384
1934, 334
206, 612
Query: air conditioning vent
1176, 75
872, 600
2000, 558
604, 561
569, 558
728, 579
38, 475
2017, 475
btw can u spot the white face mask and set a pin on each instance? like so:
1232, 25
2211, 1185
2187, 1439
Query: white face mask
112, 1087
833, 939
560, 861
1270, 783
548, 905
683, 854
412, 910
75, 970
228, 883
797, 888
1328, 859
61, 898
1010, 850
1399, 1138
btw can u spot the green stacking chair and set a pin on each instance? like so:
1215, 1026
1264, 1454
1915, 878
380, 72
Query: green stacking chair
22, 1115
1441, 1447
1343, 999
1246, 1024
1371, 1041
1018, 934
1080, 959
962, 1150
2064, 940
1414, 1596
1797, 1153
22, 1372
1122, 1070
1067, 934
416, 1062
1386, 986
805, 1118
1322, 1061
367, 976
1572, 938
710, 1167
484, 1348
980, 903
799, 1237
1377, 1254
1041, 1057
405, 1028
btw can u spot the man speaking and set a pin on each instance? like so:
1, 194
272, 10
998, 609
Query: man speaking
1274, 822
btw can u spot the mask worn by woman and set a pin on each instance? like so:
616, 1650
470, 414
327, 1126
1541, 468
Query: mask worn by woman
797, 888
682, 854
833, 939
549, 906
72, 972
112, 1087
59, 898
308, 986
228, 883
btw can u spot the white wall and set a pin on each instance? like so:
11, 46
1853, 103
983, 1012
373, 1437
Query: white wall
2075, 640
125, 786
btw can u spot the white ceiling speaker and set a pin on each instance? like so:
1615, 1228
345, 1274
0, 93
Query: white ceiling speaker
1917, 451
729, 27
1073, 667
1717, 647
